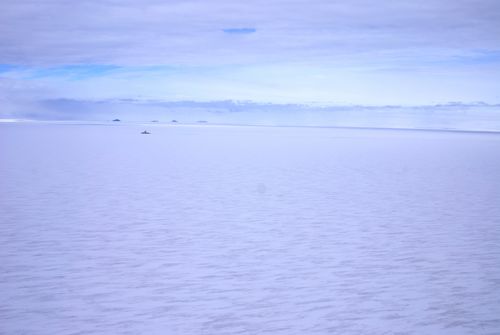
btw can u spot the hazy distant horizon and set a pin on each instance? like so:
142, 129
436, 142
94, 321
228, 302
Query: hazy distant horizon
477, 116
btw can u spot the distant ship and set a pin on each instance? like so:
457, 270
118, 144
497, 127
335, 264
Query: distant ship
145, 132
116, 120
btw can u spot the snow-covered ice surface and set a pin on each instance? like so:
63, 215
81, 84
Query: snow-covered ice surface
248, 230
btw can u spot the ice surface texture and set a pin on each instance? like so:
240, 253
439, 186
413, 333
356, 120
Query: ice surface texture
248, 230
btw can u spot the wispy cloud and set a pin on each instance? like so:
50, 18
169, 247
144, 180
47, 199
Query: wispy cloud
188, 32
358, 51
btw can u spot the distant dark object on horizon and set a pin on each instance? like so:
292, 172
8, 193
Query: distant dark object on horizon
116, 120
145, 132
174, 121
154, 121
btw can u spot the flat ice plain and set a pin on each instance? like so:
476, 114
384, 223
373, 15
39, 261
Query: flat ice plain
248, 230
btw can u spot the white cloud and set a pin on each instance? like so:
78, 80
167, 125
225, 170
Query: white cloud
191, 32
357, 51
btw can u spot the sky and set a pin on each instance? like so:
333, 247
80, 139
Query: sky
268, 51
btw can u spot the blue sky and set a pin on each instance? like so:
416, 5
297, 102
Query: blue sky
282, 51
